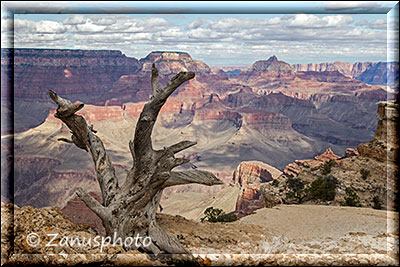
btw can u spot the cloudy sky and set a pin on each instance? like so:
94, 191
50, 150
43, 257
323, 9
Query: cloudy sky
216, 39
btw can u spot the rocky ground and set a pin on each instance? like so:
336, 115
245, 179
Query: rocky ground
283, 235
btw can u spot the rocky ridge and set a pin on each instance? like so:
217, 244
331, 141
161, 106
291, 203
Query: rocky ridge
370, 171
380, 73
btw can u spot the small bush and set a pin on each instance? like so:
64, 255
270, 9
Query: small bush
377, 203
323, 188
327, 167
217, 215
275, 183
296, 192
351, 199
295, 184
365, 174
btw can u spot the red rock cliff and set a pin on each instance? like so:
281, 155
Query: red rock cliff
69, 72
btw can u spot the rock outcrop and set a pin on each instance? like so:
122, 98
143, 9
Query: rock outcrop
385, 144
272, 64
254, 172
250, 176
350, 152
171, 63
296, 167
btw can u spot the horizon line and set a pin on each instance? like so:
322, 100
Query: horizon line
211, 65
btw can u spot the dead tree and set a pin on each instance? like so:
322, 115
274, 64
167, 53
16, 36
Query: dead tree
130, 209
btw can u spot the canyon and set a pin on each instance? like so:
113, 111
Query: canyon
380, 73
271, 112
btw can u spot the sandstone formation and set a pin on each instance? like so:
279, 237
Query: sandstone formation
385, 144
254, 172
250, 176
296, 167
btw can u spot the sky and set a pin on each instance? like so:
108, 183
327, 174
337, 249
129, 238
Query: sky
350, 32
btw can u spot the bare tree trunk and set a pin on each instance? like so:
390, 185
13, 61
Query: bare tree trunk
130, 209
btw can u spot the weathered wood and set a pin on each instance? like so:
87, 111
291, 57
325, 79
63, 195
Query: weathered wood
131, 210
65, 140
154, 80
92, 203
192, 177
83, 137
181, 146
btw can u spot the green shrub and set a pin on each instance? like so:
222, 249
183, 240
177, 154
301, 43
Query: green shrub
323, 188
295, 184
365, 173
217, 215
351, 198
377, 203
327, 167
275, 183
296, 192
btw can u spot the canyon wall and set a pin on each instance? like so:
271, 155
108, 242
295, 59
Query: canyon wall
380, 73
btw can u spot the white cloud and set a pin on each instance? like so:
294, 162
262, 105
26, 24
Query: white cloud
312, 21
46, 26
89, 27
378, 24
75, 20
104, 21
306, 21
290, 35
173, 32
338, 20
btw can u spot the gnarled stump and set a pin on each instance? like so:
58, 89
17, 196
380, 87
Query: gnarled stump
130, 209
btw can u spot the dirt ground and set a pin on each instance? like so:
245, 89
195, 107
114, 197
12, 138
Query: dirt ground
295, 229
313, 222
